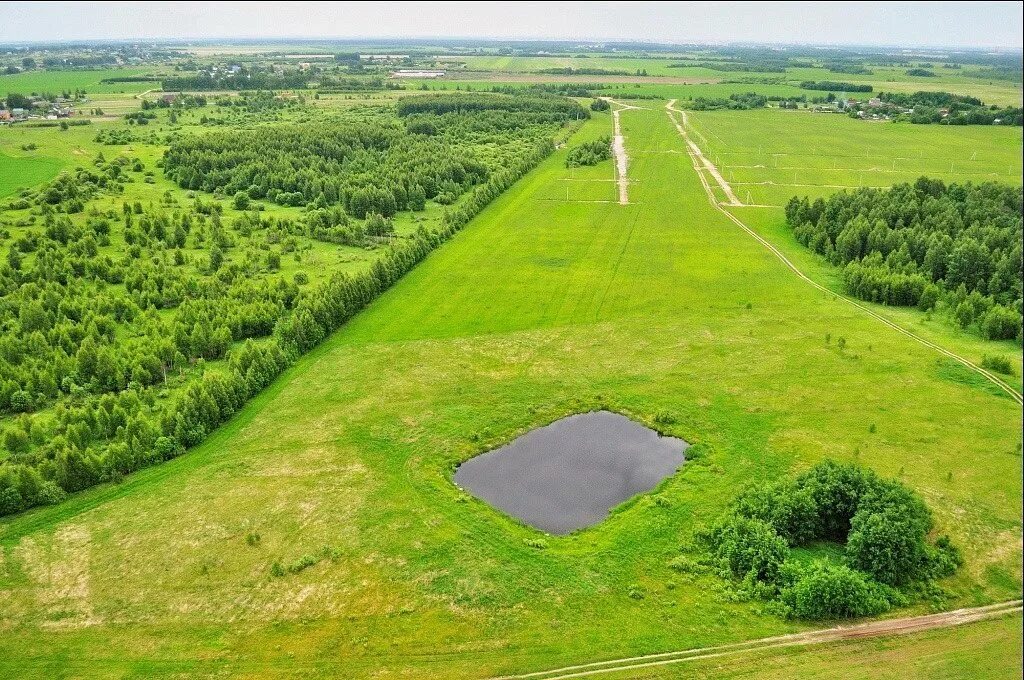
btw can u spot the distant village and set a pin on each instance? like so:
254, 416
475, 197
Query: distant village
872, 109
39, 108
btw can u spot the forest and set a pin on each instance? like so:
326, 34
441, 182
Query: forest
434, 151
952, 248
130, 334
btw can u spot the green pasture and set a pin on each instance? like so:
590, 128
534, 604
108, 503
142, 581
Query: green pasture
89, 80
769, 156
25, 171
541, 307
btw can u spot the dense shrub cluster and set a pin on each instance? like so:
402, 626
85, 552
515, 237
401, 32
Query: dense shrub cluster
883, 525
589, 153
956, 248
748, 100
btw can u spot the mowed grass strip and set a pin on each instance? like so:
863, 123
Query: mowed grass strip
538, 309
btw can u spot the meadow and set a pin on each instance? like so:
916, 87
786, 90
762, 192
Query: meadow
770, 155
542, 307
90, 80
24, 171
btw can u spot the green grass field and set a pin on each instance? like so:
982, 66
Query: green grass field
769, 156
89, 80
24, 171
540, 308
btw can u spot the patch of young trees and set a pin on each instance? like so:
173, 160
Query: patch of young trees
366, 167
589, 153
111, 361
372, 166
736, 102
440, 103
955, 249
835, 86
883, 526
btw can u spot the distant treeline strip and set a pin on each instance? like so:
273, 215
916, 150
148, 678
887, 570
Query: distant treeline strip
568, 71
834, 86
131, 79
268, 81
742, 67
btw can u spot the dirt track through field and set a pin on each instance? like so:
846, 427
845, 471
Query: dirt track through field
698, 155
619, 150
873, 629
700, 163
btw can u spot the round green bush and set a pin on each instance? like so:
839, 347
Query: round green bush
834, 592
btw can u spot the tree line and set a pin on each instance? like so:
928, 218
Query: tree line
735, 102
835, 86
955, 249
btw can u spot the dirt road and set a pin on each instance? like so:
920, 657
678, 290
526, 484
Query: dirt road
699, 155
619, 150
873, 629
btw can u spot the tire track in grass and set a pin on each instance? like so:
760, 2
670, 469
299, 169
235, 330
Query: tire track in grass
992, 377
873, 629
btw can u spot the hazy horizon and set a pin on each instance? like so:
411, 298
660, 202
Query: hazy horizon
991, 25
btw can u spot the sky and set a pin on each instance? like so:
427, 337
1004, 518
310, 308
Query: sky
904, 24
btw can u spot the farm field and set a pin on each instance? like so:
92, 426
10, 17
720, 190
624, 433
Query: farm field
802, 155
540, 308
88, 80
881, 78
768, 156
25, 171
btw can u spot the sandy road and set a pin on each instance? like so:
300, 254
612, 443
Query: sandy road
873, 629
699, 155
619, 150
700, 162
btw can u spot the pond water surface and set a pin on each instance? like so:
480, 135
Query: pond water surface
569, 474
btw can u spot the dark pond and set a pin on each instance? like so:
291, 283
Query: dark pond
569, 474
